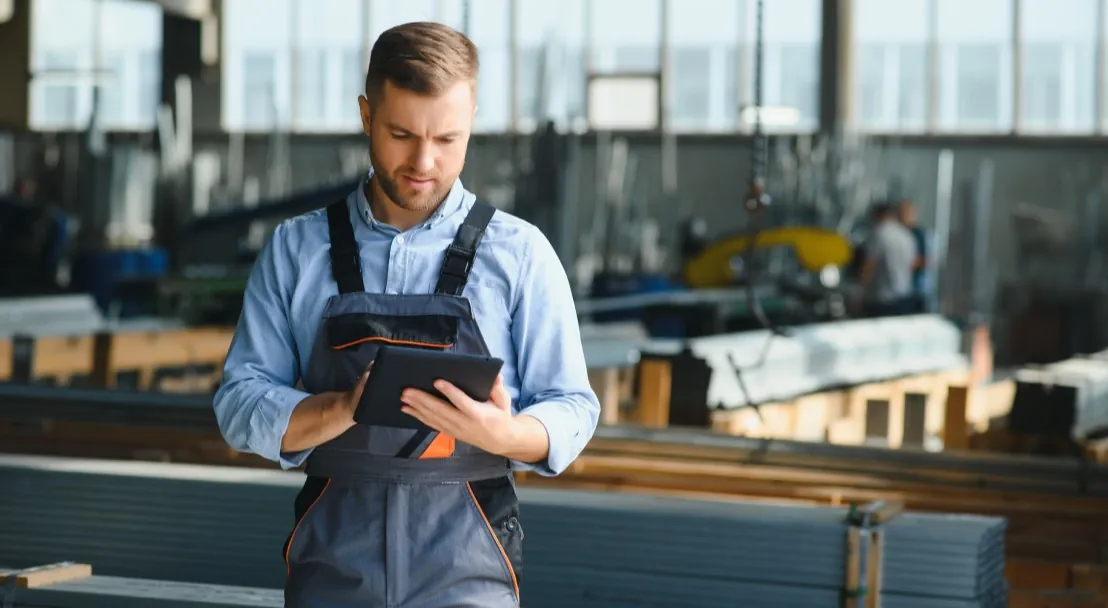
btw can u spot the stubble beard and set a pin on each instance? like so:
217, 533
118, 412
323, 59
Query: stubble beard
420, 202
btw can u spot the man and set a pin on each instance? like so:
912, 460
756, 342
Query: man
886, 275
910, 219
388, 516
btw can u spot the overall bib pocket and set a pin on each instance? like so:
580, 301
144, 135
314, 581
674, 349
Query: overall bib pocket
438, 332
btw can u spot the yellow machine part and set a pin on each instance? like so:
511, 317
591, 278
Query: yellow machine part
815, 249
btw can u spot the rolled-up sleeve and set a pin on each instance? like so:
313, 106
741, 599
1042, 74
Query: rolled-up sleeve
554, 379
256, 398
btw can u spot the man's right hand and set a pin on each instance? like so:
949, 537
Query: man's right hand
320, 418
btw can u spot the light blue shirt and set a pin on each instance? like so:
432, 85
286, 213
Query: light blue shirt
518, 291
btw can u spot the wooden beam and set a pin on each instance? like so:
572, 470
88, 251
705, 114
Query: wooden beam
955, 431
655, 386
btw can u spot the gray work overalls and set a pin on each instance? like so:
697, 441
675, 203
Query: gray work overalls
392, 517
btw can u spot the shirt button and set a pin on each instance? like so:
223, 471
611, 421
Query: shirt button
399, 240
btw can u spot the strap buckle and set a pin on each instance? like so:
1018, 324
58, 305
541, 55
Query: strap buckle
457, 262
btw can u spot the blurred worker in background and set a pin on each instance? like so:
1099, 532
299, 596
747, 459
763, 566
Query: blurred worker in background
888, 266
424, 516
920, 271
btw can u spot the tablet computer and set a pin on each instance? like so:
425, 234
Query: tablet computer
396, 368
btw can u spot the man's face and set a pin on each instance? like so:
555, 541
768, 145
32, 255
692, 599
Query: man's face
418, 143
907, 213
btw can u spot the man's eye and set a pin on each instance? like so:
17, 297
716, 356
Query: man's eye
447, 140
400, 135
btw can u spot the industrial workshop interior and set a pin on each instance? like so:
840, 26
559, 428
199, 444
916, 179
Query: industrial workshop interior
838, 268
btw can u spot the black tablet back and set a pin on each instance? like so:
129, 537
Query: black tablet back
397, 368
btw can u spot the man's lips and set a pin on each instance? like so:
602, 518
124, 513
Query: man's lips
418, 182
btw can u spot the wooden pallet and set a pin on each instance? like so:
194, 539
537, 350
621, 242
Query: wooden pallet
99, 360
933, 410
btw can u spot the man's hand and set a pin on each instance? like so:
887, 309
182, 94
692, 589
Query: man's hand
320, 418
490, 425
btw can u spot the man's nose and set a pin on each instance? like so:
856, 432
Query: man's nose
424, 159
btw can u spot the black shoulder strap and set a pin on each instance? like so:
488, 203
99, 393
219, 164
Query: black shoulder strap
458, 260
346, 266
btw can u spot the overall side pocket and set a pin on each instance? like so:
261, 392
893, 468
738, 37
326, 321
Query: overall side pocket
306, 500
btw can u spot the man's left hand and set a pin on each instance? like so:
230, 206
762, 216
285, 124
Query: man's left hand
488, 425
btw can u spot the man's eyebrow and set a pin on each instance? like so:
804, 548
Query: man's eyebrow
396, 127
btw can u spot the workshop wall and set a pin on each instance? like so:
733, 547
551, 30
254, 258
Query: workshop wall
712, 173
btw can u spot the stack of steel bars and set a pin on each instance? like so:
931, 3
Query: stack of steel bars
219, 525
592, 549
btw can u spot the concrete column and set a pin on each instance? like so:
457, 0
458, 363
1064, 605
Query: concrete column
836, 66
15, 66
183, 50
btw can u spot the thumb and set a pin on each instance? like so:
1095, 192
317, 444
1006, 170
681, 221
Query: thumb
356, 392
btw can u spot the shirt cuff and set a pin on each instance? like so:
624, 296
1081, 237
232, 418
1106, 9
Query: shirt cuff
560, 432
270, 421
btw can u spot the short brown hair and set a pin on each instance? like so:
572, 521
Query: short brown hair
423, 57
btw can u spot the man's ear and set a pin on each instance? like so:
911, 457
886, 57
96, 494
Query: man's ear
366, 112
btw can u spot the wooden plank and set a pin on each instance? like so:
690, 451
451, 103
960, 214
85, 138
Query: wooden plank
1037, 574
840, 416
955, 431
1024, 598
49, 574
606, 384
655, 384
102, 357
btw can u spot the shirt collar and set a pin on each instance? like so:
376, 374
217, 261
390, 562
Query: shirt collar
453, 202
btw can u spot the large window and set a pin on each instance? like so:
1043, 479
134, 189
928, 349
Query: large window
704, 38
975, 65
78, 46
327, 35
289, 64
626, 35
489, 26
1057, 63
552, 63
891, 64
790, 79
951, 66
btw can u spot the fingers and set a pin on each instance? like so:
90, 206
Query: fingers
432, 411
455, 395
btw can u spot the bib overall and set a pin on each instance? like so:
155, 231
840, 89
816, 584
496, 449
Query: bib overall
392, 517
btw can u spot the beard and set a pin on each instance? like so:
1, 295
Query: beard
405, 198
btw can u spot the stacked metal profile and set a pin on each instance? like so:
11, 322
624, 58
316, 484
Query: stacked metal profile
594, 549
821, 356
66, 315
1068, 398
221, 525
611, 345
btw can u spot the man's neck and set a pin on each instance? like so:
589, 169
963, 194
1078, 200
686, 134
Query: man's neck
388, 212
